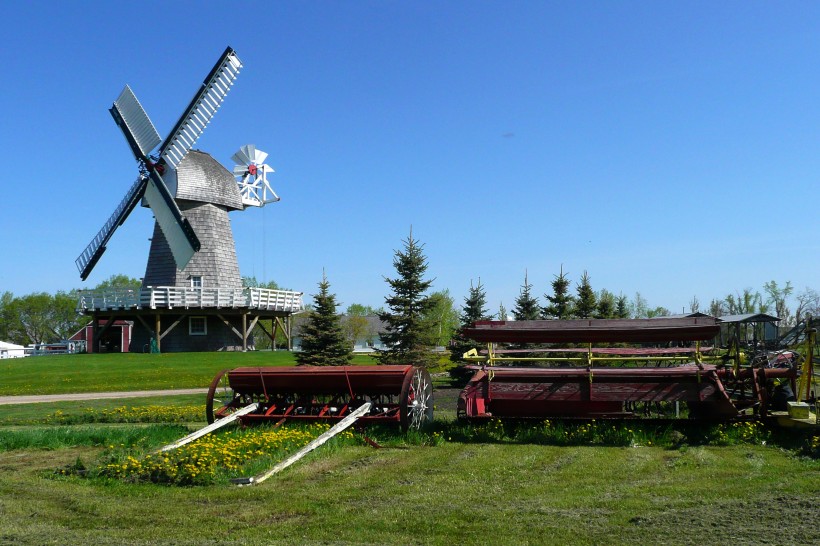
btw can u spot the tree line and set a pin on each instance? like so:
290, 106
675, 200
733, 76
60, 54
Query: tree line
41, 317
415, 320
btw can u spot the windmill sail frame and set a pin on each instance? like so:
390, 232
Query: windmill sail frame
142, 138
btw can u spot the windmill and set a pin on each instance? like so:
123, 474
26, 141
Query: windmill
175, 231
251, 173
192, 274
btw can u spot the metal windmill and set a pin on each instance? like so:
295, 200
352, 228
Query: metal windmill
251, 174
193, 179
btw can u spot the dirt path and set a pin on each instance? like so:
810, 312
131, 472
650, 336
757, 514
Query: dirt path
33, 399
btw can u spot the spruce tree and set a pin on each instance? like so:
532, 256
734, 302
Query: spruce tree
622, 307
606, 305
474, 309
324, 343
560, 303
406, 336
526, 306
585, 303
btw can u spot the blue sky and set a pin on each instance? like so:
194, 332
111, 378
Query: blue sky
669, 148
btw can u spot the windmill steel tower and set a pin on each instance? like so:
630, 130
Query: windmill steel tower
192, 296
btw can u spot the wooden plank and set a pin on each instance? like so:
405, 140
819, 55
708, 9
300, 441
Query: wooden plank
336, 429
594, 330
212, 427
229, 325
171, 327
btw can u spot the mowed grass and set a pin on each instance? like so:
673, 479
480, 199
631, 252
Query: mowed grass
455, 492
76, 411
58, 374
470, 486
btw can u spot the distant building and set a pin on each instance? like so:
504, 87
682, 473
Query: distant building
365, 330
113, 338
10, 350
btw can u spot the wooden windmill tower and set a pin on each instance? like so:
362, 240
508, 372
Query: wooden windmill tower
192, 260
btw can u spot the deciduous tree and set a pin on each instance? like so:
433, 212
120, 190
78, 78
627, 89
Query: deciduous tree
777, 296
119, 281
441, 321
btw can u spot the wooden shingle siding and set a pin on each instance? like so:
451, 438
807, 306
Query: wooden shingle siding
205, 193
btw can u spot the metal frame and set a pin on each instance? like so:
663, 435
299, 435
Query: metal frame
681, 374
399, 394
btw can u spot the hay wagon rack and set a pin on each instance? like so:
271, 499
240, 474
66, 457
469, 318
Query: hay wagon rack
622, 368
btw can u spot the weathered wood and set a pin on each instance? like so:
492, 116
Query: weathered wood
169, 297
336, 429
172, 326
595, 330
157, 331
210, 428
229, 325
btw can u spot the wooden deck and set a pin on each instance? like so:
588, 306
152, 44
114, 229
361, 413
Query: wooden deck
173, 297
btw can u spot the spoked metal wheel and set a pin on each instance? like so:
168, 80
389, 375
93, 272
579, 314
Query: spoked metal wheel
416, 402
221, 400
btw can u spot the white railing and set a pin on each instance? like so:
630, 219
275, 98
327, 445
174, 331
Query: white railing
170, 297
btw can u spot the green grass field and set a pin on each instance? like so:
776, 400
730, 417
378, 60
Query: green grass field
452, 484
129, 371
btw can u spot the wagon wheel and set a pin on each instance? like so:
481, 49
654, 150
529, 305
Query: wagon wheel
221, 398
416, 401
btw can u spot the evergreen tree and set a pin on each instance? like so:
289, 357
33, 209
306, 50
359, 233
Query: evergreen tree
585, 303
406, 336
526, 306
473, 310
606, 305
502, 311
622, 307
560, 303
324, 343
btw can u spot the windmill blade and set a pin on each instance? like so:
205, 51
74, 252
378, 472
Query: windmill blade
201, 109
135, 123
90, 256
175, 227
248, 154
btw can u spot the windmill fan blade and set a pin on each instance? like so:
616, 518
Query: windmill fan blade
177, 231
128, 110
245, 154
248, 154
201, 109
90, 256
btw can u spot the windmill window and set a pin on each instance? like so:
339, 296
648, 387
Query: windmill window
196, 282
197, 326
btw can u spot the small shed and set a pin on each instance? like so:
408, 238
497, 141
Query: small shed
114, 338
751, 329
10, 350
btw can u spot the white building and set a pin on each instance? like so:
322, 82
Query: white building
10, 350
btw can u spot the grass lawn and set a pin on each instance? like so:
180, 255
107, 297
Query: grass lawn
59, 374
451, 485
452, 493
